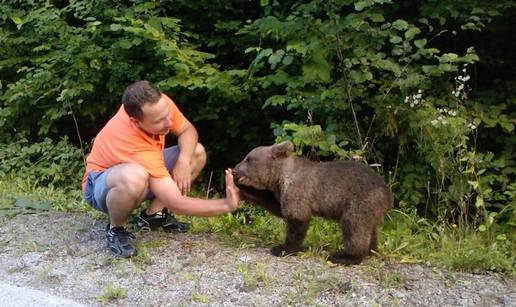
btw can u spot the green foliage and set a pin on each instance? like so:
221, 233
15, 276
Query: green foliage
364, 83
42, 163
424, 90
411, 239
19, 195
112, 293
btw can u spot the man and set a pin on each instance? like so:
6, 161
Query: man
129, 164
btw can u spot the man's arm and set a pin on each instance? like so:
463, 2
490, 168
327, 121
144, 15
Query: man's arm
166, 190
187, 138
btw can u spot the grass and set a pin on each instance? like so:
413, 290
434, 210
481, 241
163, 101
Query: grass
21, 196
112, 293
404, 237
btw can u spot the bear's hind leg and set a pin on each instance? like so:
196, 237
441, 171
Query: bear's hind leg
357, 243
373, 246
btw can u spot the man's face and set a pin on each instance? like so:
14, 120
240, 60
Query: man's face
156, 118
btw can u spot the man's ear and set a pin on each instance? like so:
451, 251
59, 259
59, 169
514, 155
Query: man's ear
283, 149
134, 121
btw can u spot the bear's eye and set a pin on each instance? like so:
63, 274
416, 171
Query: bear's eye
249, 159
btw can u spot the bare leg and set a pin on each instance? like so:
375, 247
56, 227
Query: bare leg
128, 185
198, 162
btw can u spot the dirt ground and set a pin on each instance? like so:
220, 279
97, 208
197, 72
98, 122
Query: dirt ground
64, 254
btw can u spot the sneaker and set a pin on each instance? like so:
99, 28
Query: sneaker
163, 220
120, 241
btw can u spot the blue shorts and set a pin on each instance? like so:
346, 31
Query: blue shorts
96, 189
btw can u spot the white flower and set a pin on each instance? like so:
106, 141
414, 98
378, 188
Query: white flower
434, 122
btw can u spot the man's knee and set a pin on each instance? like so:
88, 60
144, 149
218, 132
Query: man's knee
200, 155
132, 178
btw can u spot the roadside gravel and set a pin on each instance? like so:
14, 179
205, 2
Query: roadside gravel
64, 255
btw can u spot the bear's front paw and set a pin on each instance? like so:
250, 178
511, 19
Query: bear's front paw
278, 251
345, 259
282, 250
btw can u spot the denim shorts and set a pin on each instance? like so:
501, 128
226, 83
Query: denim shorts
97, 190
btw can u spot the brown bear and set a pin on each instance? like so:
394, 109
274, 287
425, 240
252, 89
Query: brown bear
295, 188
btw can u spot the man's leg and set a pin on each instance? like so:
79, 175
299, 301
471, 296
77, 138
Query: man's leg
127, 184
117, 191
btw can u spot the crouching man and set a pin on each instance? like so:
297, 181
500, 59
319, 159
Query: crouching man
129, 164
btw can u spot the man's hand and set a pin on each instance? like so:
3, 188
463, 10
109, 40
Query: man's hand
232, 191
182, 175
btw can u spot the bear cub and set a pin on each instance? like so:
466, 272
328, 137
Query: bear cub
295, 188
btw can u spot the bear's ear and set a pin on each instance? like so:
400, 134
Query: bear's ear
283, 149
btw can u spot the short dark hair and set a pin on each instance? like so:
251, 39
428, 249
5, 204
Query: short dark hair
138, 94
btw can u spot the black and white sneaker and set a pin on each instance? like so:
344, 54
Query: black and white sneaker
120, 241
163, 220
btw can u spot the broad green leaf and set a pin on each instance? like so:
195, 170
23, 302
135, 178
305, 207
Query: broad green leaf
115, 27
410, 33
297, 45
479, 203
287, 60
448, 57
420, 43
17, 20
360, 5
400, 24
474, 184
377, 17
276, 58
125, 44
395, 39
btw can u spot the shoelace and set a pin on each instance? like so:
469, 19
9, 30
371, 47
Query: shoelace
123, 234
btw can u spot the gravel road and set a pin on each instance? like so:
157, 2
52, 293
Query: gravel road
63, 255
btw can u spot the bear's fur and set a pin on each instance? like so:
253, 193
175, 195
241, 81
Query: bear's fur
295, 188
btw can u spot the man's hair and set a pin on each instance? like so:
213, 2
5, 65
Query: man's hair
138, 94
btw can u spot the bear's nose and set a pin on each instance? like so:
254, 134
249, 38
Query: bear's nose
236, 172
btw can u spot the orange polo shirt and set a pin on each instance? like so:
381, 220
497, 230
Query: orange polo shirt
120, 141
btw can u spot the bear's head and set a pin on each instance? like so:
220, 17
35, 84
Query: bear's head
262, 166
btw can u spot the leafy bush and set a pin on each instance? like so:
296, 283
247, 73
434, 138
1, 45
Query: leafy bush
45, 163
358, 79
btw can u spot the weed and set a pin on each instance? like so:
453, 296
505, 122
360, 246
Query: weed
112, 293
197, 295
144, 258
309, 283
410, 238
20, 266
253, 276
46, 275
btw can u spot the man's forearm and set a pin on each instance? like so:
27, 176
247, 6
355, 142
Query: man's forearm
185, 205
168, 193
187, 142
